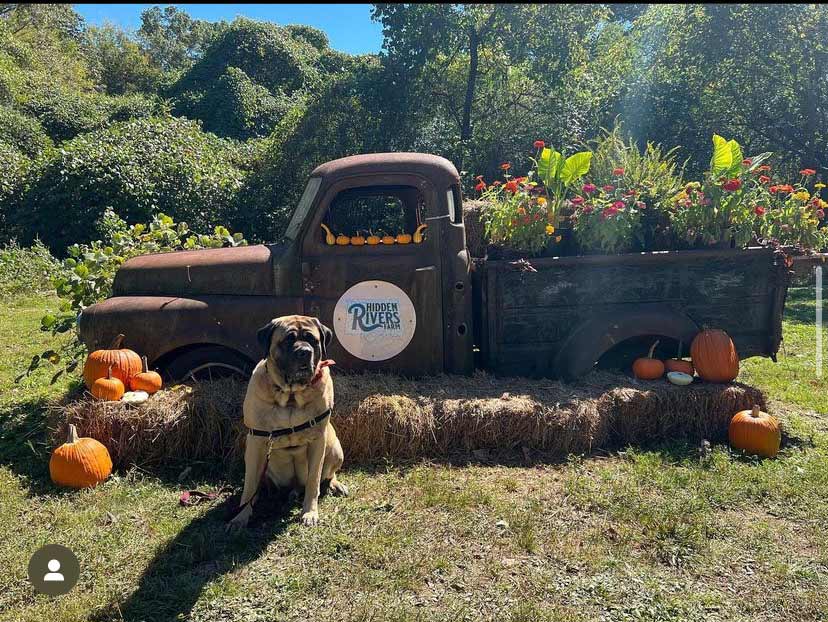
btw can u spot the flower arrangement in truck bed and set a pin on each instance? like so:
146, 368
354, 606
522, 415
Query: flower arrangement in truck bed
739, 202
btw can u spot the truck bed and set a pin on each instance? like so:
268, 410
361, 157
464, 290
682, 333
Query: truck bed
558, 317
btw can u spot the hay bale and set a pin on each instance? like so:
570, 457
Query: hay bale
473, 223
380, 416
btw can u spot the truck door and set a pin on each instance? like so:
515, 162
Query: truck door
383, 301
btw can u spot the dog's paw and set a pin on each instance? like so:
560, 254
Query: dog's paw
337, 488
310, 519
240, 521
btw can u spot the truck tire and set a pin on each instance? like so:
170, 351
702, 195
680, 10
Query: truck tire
207, 363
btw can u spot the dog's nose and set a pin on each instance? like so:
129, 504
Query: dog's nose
303, 353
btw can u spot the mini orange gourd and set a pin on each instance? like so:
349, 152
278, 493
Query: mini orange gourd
79, 462
373, 240
342, 240
714, 356
330, 238
648, 368
755, 432
388, 239
679, 364
149, 381
357, 240
124, 362
109, 389
404, 238
418, 234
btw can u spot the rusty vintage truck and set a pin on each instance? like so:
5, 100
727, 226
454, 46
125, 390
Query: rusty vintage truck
428, 306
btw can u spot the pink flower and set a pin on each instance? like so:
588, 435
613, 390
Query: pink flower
640, 204
759, 210
608, 188
589, 188
732, 185
618, 205
480, 187
618, 171
764, 179
577, 200
747, 162
807, 172
587, 209
609, 213
539, 144
820, 214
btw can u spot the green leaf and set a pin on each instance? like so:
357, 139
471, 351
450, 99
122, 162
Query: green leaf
736, 156
722, 158
548, 165
576, 166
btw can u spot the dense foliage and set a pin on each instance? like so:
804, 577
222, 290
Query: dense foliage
473, 82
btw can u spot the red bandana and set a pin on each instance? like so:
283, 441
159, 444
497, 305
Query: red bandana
318, 375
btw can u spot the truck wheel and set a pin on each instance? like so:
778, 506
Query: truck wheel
208, 363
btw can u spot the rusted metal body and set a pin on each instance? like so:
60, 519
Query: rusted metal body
190, 308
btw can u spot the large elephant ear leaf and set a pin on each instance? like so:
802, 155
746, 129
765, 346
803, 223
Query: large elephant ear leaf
722, 158
548, 165
736, 156
576, 166
757, 160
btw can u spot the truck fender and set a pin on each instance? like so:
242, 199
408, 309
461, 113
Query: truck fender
591, 339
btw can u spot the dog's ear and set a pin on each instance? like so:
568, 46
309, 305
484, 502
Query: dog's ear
326, 335
264, 334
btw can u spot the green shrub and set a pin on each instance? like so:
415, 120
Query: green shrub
86, 275
136, 168
26, 270
21, 132
13, 169
65, 114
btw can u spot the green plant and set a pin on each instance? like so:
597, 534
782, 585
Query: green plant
26, 270
608, 219
559, 175
514, 216
14, 168
86, 275
791, 215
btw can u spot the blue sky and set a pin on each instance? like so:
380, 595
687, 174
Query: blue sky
348, 26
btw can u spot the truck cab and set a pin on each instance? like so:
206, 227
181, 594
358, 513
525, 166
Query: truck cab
400, 307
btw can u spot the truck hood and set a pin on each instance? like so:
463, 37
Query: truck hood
244, 270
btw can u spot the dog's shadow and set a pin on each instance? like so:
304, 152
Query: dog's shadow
201, 553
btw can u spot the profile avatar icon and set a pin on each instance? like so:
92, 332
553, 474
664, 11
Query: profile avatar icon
53, 574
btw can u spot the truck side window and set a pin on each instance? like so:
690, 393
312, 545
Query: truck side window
377, 210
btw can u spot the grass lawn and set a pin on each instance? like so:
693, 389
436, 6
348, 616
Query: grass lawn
643, 534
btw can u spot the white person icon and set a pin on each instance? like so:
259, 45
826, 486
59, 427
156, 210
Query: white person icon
53, 574
53, 570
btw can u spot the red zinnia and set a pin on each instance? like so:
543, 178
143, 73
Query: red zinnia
587, 209
764, 179
609, 211
577, 200
618, 171
511, 186
589, 188
479, 178
526, 220
608, 188
785, 188
520, 180
773, 189
820, 214
618, 205
480, 187
807, 172
731, 185
759, 210
539, 144
764, 167
747, 162
505, 166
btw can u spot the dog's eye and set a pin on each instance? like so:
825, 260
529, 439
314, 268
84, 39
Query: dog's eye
309, 337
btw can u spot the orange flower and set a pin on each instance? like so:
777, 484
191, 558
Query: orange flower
480, 187
505, 166
807, 172
539, 144
511, 186
764, 179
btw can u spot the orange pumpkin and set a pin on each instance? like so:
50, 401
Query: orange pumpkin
110, 389
418, 234
343, 240
149, 381
755, 432
330, 239
714, 356
373, 240
648, 368
388, 239
404, 238
80, 462
679, 364
357, 240
124, 362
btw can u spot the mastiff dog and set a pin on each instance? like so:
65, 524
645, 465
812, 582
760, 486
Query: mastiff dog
287, 410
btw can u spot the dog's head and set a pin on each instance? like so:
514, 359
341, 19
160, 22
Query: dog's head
295, 345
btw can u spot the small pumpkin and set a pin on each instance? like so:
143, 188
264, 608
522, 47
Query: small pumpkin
125, 363
149, 381
755, 432
648, 368
330, 239
373, 240
679, 364
404, 238
79, 462
343, 240
110, 389
714, 356
357, 240
388, 239
418, 234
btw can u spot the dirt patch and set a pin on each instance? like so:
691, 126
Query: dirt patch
381, 416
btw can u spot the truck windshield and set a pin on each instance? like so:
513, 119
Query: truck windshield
303, 209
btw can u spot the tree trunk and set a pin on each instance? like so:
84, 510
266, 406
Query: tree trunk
471, 81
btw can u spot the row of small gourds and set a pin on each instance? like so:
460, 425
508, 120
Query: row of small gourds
117, 373
108, 373
715, 359
372, 240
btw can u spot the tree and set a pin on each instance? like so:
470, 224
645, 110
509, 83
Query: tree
174, 40
118, 63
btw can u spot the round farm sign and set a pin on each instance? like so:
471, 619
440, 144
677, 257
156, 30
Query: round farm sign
374, 320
